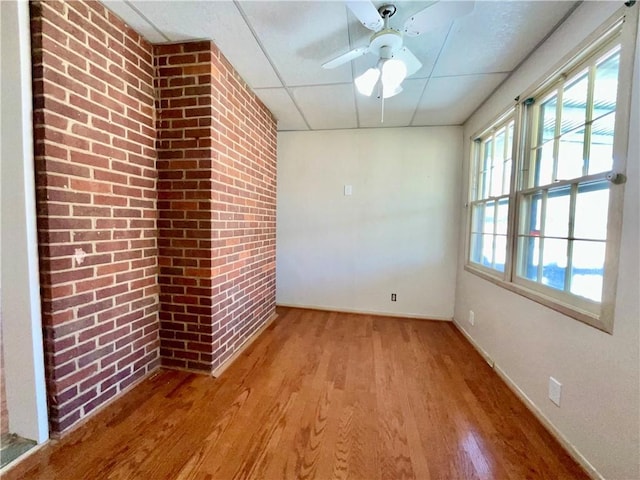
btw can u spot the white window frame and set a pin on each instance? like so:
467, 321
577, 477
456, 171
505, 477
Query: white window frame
621, 27
476, 185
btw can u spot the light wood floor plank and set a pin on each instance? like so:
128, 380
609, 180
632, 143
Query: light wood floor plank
319, 395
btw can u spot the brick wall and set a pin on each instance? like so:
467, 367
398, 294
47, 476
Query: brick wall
105, 225
216, 202
95, 166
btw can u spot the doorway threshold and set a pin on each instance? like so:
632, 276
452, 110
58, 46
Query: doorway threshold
13, 446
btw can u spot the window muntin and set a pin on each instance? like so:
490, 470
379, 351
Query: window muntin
490, 202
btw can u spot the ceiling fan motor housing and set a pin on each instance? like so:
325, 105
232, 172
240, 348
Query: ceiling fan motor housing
386, 42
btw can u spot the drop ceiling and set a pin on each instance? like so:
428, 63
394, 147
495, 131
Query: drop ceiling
278, 47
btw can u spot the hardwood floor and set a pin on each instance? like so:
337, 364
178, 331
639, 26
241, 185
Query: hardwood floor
319, 395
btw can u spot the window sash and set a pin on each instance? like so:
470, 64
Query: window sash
534, 230
538, 142
497, 234
481, 195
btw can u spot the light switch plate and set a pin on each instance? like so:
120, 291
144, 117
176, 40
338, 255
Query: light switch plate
348, 190
555, 390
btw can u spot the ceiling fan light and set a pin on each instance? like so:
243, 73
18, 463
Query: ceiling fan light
391, 92
394, 72
366, 82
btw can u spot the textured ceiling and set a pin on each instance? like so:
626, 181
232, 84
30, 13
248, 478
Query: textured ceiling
279, 46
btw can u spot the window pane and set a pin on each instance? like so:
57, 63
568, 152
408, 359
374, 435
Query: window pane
601, 149
506, 185
571, 155
606, 85
477, 214
544, 165
501, 252
488, 155
587, 269
592, 208
489, 212
530, 216
574, 103
500, 139
548, 119
487, 251
554, 262
529, 248
476, 248
486, 179
496, 180
557, 214
498, 165
503, 217
487, 167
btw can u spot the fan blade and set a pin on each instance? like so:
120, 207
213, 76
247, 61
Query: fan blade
437, 15
347, 57
367, 13
410, 60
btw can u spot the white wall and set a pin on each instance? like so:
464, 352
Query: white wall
600, 409
397, 233
21, 322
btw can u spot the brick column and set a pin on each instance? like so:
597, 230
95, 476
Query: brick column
216, 204
185, 198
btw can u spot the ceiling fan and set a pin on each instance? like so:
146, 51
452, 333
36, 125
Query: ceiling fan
395, 61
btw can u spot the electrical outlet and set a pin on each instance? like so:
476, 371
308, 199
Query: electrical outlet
472, 317
555, 390
393, 297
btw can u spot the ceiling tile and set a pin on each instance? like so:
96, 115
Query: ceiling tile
398, 110
496, 36
219, 21
450, 100
278, 101
327, 106
301, 36
123, 10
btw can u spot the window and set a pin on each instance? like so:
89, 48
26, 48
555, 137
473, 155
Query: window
543, 195
490, 201
564, 199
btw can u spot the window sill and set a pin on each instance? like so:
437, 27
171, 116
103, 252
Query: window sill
589, 318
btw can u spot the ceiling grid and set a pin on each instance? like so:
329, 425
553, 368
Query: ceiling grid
279, 47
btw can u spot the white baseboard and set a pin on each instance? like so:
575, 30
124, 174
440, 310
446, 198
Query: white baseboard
367, 312
564, 441
533, 408
475, 345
